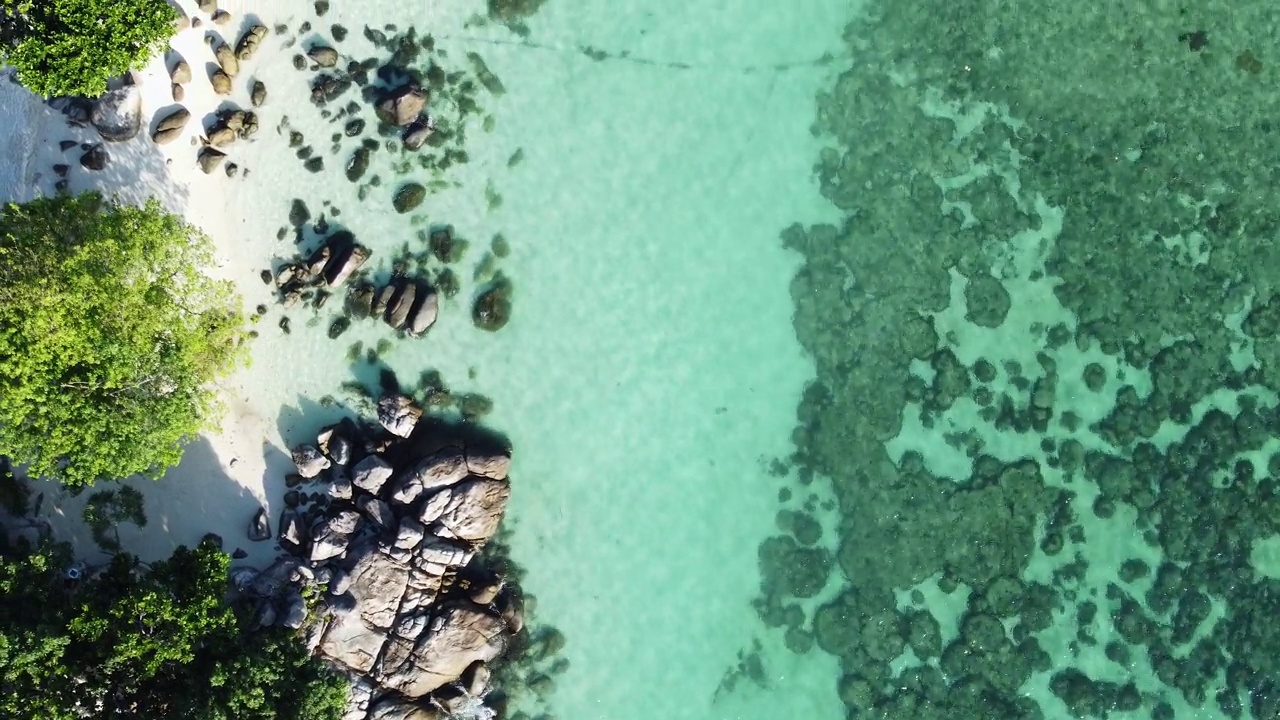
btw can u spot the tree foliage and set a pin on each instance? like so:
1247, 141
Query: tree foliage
72, 47
110, 334
158, 642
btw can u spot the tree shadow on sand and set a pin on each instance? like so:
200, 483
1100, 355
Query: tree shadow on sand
196, 497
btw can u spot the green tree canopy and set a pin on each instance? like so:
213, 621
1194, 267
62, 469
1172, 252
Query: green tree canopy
72, 47
110, 334
156, 642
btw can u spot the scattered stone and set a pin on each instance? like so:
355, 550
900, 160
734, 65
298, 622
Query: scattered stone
232, 169
354, 127
340, 487
95, 159
222, 17
295, 611
170, 127
402, 105
239, 554
299, 62
248, 44
207, 6
61, 170
209, 159
314, 165
179, 94
221, 81
339, 33
417, 135
258, 95
322, 7
226, 58
66, 145
260, 526
221, 137
323, 55
181, 73
117, 115
409, 197
309, 461
398, 415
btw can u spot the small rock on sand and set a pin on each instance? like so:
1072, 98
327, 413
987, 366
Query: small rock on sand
221, 82
210, 159
181, 73
323, 56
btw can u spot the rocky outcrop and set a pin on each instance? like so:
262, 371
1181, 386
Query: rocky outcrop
406, 611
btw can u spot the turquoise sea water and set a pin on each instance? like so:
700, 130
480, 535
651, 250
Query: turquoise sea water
896, 361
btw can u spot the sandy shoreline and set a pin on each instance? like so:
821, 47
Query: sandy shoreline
228, 473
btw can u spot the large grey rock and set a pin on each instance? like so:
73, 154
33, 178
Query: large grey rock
331, 537
310, 461
377, 510
490, 465
340, 486
350, 642
443, 468
393, 709
403, 105
398, 414
117, 115
435, 555
459, 636
226, 58
474, 510
275, 579
377, 583
409, 534
370, 474
434, 506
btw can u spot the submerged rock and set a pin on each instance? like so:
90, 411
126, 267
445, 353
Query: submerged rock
492, 308
409, 197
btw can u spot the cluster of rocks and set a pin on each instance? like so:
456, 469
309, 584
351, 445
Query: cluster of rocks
227, 125
391, 546
404, 303
338, 258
